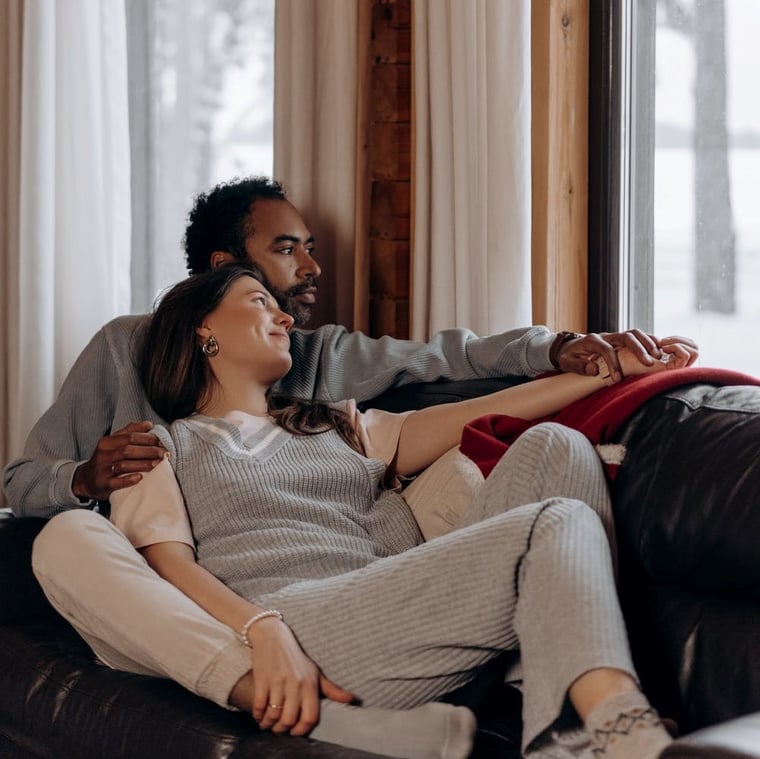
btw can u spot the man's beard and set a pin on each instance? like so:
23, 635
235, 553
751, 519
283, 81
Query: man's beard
288, 302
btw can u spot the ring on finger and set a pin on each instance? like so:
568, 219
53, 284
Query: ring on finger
275, 706
113, 468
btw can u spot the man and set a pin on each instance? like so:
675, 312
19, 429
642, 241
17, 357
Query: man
89, 442
132, 619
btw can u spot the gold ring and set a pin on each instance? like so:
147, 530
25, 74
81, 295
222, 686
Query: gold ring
113, 468
275, 706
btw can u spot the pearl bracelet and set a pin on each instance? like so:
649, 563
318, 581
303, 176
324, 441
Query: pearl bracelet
257, 618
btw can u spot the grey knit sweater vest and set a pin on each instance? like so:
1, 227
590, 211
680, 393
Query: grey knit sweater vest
276, 508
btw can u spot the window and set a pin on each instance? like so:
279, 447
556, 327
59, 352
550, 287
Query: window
201, 83
674, 227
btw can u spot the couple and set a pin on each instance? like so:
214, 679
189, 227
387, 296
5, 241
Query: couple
341, 585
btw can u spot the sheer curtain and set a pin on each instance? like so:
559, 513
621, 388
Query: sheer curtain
321, 63
471, 247
200, 75
200, 110
71, 266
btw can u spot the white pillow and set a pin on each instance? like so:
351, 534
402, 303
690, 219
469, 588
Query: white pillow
440, 495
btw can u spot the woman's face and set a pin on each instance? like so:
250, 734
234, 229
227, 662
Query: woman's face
252, 333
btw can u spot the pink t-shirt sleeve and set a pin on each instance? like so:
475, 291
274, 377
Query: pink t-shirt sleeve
153, 510
378, 431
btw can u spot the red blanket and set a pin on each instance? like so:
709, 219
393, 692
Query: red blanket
598, 417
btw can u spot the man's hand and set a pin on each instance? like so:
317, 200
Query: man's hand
117, 462
579, 355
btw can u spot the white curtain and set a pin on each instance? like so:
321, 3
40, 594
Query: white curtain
471, 246
73, 254
200, 92
320, 65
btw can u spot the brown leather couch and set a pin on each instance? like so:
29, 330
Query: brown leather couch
687, 505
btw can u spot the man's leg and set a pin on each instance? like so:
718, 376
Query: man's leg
132, 619
136, 621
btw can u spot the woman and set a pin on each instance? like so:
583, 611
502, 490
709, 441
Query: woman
323, 572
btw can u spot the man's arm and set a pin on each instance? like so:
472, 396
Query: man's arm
332, 364
101, 391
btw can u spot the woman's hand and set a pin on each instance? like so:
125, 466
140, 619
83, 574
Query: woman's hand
580, 355
681, 351
677, 353
287, 684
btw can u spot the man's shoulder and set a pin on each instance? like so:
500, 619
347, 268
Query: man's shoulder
321, 330
123, 329
301, 336
127, 323
121, 337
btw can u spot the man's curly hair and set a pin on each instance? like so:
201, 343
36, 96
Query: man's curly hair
220, 219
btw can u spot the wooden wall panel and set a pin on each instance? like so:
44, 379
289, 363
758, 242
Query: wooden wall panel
560, 162
390, 139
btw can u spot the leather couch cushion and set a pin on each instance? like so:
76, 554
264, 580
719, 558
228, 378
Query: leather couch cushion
687, 498
423, 394
21, 597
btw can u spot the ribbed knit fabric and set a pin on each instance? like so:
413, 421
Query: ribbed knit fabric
561, 462
296, 526
278, 508
102, 392
333, 364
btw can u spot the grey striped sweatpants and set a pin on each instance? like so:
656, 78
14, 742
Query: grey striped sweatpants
531, 570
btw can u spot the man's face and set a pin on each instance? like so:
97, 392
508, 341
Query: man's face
283, 249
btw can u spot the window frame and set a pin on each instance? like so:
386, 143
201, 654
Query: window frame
621, 165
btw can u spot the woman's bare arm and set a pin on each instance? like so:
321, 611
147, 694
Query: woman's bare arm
427, 434
176, 563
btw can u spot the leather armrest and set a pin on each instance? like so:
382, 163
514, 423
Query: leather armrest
736, 739
685, 498
21, 598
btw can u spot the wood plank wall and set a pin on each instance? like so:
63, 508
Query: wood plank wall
559, 158
559, 52
390, 167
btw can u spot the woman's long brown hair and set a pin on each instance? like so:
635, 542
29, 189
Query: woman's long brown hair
176, 374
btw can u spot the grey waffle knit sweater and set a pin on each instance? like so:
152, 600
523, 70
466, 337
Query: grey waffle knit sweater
102, 392
276, 508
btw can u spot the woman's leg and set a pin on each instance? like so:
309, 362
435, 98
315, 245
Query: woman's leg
413, 627
546, 461
593, 667
552, 460
137, 622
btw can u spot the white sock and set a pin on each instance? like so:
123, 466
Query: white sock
430, 731
627, 727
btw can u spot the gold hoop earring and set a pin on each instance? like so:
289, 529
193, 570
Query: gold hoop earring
211, 347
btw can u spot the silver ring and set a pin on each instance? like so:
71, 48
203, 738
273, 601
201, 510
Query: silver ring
275, 706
